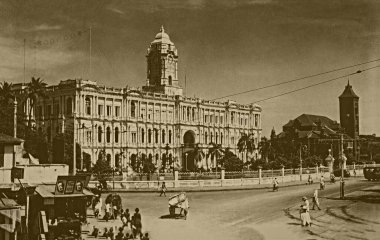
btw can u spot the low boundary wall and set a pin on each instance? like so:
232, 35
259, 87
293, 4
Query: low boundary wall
214, 182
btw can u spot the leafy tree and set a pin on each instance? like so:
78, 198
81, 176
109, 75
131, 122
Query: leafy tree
62, 150
37, 145
101, 166
312, 161
87, 161
231, 162
148, 166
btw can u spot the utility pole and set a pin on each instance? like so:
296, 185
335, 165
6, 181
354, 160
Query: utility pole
342, 159
301, 162
73, 170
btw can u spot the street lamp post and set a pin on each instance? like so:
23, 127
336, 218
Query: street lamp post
113, 177
186, 161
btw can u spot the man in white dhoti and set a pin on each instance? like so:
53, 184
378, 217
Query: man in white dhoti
315, 200
304, 213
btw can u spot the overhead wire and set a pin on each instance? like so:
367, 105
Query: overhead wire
297, 79
316, 84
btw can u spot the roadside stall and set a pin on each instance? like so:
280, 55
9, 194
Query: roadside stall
58, 211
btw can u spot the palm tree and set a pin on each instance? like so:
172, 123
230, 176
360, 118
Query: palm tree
6, 92
267, 149
198, 153
36, 89
246, 144
216, 151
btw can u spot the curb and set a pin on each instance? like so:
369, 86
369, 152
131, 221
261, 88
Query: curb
220, 189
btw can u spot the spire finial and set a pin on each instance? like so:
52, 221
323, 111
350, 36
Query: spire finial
162, 28
348, 82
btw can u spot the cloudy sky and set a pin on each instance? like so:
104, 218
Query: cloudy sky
224, 46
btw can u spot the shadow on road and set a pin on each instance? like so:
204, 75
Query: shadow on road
362, 198
175, 217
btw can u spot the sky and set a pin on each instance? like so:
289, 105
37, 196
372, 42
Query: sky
224, 47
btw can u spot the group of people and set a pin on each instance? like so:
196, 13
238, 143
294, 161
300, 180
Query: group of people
305, 209
131, 227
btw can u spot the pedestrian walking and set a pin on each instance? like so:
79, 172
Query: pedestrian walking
137, 225
163, 189
275, 184
316, 200
310, 180
354, 172
304, 213
322, 183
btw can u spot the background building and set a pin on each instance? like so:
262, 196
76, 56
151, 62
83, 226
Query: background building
156, 122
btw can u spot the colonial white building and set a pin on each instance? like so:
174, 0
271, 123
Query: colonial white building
156, 121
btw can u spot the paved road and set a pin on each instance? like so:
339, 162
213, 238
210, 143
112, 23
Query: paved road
245, 214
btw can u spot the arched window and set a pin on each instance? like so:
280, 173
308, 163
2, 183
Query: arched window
150, 136
109, 159
221, 138
69, 106
211, 137
170, 80
216, 137
88, 106
188, 114
170, 136
157, 158
108, 134
206, 138
163, 136
142, 135
100, 132
156, 135
133, 109
48, 133
193, 114
117, 161
116, 135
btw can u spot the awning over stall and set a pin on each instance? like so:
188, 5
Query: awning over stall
47, 193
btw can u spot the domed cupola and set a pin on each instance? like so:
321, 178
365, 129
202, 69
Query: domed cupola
162, 37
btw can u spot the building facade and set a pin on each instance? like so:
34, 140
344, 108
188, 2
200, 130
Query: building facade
157, 121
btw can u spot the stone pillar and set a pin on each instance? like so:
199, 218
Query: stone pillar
283, 171
223, 173
260, 175
316, 169
176, 180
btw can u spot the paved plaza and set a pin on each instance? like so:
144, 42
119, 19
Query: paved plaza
261, 214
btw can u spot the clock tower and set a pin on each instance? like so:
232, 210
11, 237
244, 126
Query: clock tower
162, 66
349, 111
349, 116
